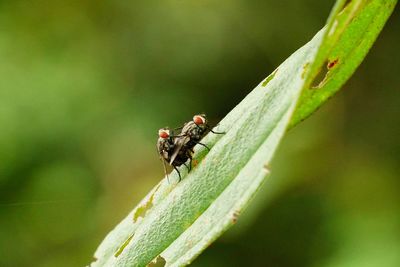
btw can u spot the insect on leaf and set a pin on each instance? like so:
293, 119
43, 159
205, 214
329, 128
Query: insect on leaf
177, 221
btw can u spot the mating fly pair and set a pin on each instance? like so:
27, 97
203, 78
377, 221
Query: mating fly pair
176, 150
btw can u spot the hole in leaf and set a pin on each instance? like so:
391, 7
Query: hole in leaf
157, 262
269, 78
94, 260
322, 75
123, 246
141, 210
144, 207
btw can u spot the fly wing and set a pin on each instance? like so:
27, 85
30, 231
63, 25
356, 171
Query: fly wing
165, 169
159, 146
179, 142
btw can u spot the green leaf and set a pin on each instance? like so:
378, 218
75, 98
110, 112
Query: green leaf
352, 31
177, 221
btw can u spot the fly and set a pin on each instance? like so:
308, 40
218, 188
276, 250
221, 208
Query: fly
166, 147
175, 150
191, 134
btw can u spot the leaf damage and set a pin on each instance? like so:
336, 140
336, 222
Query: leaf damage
123, 246
324, 74
235, 216
269, 78
174, 223
332, 63
157, 262
144, 207
321, 77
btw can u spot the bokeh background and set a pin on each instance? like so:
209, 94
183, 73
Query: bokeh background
85, 85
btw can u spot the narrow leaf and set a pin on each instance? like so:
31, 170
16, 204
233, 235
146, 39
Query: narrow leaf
176, 222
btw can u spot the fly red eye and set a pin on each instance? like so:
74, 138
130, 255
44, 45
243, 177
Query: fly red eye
163, 133
199, 120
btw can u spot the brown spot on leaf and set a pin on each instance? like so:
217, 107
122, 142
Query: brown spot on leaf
332, 63
235, 216
195, 162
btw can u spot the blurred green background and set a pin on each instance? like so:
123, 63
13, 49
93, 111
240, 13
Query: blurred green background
85, 85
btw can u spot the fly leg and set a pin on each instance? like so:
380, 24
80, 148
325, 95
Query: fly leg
187, 167
189, 155
203, 145
176, 169
215, 132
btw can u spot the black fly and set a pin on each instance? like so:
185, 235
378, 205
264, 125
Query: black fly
191, 134
175, 150
166, 147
